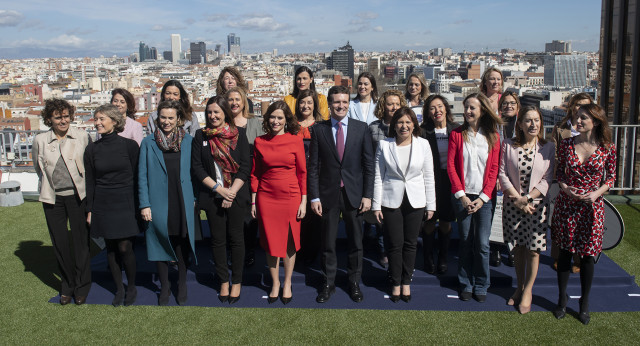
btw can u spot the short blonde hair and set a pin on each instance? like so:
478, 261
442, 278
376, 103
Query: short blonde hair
112, 112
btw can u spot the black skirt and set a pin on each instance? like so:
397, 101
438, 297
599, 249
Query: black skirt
114, 213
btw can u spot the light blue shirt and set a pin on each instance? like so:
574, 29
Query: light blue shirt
334, 128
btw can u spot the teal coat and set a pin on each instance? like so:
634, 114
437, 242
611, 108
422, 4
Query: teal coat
152, 191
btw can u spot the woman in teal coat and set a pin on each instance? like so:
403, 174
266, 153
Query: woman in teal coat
167, 197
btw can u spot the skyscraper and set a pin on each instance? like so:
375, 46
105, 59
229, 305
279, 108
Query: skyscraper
565, 70
557, 47
233, 44
144, 52
198, 53
176, 47
342, 60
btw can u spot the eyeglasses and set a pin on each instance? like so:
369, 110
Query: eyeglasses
509, 104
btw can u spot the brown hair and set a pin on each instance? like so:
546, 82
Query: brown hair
290, 126
317, 116
426, 118
424, 91
485, 77
55, 105
114, 114
382, 102
488, 121
399, 114
519, 141
600, 123
221, 101
184, 97
572, 104
171, 104
515, 97
243, 96
128, 98
240, 82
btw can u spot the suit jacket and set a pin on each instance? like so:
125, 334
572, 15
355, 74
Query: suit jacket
391, 183
356, 113
202, 166
45, 154
541, 173
152, 193
324, 168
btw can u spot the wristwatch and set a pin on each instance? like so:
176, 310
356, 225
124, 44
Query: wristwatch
529, 198
215, 187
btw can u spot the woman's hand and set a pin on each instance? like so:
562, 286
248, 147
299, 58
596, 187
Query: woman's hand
302, 211
428, 214
475, 205
466, 203
520, 202
254, 211
89, 218
590, 197
226, 193
528, 209
226, 204
146, 214
378, 214
570, 191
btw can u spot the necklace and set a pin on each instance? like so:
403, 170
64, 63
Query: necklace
528, 152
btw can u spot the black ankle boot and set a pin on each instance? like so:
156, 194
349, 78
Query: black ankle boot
443, 250
584, 316
427, 245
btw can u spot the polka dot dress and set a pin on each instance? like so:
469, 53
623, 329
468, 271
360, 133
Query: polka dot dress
522, 229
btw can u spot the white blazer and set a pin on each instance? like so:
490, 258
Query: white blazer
355, 112
390, 184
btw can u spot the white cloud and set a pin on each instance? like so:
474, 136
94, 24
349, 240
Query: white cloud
68, 41
217, 17
378, 28
10, 18
159, 27
286, 43
367, 15
258, 22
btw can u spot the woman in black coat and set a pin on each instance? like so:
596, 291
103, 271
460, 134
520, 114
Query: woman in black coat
220, 162
436, 126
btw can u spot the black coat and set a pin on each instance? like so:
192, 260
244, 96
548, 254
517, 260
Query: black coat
202, 166
429, 134
325, 170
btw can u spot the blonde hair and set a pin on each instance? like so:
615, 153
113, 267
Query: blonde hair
382, 102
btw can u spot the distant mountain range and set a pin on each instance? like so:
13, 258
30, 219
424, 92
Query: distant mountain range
37, 53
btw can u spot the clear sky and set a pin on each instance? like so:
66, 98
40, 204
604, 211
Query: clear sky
117, 26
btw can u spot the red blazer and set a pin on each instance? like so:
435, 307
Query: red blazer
455, 165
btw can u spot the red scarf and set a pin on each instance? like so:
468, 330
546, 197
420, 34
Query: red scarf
222, 140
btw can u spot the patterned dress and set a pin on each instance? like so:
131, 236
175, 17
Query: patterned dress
577, 226
522, 229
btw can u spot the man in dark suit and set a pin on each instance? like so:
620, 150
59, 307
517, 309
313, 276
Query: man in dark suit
341, 173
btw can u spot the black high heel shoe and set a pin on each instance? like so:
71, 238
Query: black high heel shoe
405, 298
393, 297
286, 300
584, 316
561, 309
223, 299
233, 300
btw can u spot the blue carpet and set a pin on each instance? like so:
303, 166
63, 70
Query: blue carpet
613, 289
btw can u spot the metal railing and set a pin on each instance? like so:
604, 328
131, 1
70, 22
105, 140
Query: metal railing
15, 153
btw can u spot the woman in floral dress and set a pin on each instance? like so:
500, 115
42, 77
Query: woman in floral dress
586, 170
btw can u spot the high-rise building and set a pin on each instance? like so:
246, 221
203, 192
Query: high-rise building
167, 55
198, 53
144, 52
565, 70
556, 46
154, 53
176, 47
373, 64
233, 44
342, 60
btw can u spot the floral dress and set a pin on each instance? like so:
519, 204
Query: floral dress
578, 226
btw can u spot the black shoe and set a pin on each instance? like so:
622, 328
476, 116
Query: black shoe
394, 297
182, 294
118, 299
584, 316
405, 298
325, 293
429, 266
223, 299
442, 266
494, 258
480, 298
355, 293
464, 296
233, 300
250, 260
559, 312
286, 301
163, 298
64, 300
511, 261
79, 300
132, 294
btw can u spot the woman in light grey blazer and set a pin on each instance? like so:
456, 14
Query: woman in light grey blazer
362, 106
526, 171
403, 194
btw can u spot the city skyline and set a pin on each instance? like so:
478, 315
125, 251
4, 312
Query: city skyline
39, 28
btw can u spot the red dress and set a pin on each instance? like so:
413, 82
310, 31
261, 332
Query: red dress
279, 177
578, 226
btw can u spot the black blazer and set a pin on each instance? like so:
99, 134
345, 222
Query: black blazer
325, 170
429, 133
202, 166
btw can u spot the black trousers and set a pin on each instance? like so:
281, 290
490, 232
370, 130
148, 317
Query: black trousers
401, 228
353, 226
227, 226
310, 235
71, 248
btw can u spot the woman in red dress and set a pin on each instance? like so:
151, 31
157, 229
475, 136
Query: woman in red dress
586, 170
279, 193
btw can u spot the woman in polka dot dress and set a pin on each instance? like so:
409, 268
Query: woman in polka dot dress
526, 171
586, 170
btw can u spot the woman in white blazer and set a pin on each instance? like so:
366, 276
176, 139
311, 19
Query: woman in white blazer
363, 105
403, 193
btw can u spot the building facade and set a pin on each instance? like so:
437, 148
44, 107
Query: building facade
565, 70
176, 47
342, 60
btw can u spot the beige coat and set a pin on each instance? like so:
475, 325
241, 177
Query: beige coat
45, 154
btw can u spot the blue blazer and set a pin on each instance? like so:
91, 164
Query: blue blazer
355, 112
152, 191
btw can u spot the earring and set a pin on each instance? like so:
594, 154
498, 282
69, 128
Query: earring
285, 127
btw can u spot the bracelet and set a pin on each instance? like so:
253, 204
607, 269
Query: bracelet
253, 203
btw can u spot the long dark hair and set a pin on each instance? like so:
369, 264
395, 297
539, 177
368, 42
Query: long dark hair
374, 87
301, 69
519, 141
427, 122
221, 101
572, 104
128, 98
291, 125
600, 123
184, 97
488, 121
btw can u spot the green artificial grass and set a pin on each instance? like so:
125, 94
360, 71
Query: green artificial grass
27, 263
